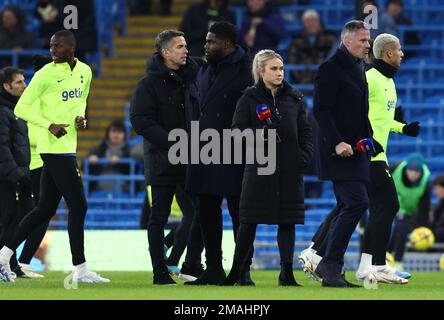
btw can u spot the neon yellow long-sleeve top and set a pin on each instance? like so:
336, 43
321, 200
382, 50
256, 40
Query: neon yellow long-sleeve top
382, 100
62, 94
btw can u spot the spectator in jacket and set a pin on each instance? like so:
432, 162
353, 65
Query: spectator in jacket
411, 179
12, 30
277, 198
262, 26
50, 20
113, 148
310, 47
199, 18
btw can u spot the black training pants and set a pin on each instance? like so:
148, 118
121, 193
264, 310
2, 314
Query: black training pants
60, 178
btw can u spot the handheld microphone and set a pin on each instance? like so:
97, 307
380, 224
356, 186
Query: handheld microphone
264, 113
364, 146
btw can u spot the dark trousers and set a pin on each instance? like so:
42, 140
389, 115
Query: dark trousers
247, 233
60, 178
162, 197
35, 238
384, 205
182, 231
352, 202
13, 205
195, 244
210, 214
320, 237
403, 226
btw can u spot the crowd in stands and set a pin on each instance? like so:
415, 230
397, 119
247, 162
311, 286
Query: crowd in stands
18, 32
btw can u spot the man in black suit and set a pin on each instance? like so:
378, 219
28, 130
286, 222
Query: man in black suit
341, 110
221, 82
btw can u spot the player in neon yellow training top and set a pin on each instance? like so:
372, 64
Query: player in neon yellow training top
62, 88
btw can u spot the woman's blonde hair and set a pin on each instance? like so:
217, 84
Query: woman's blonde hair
259, 61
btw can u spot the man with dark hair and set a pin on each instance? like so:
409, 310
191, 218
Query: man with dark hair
221, 82
164, 100
341, 110
15, 181
62, 89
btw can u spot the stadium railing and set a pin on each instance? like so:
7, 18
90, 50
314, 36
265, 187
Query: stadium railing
16, 58
132, 178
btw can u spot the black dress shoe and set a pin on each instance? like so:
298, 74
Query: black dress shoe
349, 284
231, 280
209, 277
163, 278
287, 281
245, 280
330, 275
190, 270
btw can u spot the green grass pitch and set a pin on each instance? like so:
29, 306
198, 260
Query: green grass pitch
138, 285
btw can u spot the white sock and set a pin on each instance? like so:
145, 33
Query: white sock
316, 258
5, 255
81, 268
366, 261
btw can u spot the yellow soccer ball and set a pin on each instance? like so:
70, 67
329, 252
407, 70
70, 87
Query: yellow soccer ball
422, 238
389, 259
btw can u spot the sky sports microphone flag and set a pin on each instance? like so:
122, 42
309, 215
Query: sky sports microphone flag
264, 113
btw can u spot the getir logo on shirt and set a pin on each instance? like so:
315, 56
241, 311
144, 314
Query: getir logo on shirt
77, 93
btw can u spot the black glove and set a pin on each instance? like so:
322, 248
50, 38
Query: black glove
399, 114
378, 148
411, 129
24, 185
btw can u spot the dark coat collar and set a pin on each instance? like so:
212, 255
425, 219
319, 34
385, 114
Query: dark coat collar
157, 67
7, 100
227, 72
351, 65
259, 90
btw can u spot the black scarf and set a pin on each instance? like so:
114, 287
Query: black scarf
385, 68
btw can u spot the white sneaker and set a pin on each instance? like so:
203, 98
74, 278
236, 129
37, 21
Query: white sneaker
29, 273
89, 277
387, 275
306, 259
186, 277
361, 274
5, 273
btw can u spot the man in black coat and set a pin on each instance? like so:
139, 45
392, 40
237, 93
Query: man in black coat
221, 83
341, 110
164, 101
15, 155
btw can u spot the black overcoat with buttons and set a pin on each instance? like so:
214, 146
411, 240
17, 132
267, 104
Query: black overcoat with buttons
164, 100
276, 198
220, 86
